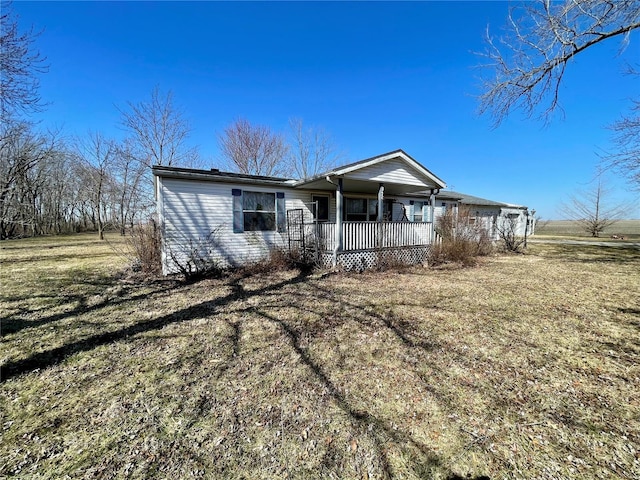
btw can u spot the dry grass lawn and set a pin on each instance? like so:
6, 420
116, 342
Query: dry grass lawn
526, 366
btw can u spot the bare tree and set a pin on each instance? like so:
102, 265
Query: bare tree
26, 158
312, 150
592, 209
528, 63
254, 149
626, 158
159, 130
129, 175
20, 65
97, 155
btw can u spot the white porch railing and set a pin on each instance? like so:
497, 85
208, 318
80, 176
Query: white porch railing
371, 235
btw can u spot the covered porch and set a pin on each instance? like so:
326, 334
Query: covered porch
374, 205
372, 235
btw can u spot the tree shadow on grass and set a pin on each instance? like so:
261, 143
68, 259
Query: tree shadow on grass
422, 459
57, 355
379, 431
17, 322
63, 257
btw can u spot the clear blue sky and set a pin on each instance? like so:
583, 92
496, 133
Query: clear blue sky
377, 76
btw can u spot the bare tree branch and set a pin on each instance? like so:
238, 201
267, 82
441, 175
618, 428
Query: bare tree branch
526, 65
20, 66
160, 130
312, 150
97, 155
626, 140
254, 149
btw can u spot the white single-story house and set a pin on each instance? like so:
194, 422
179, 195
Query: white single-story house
493, 216
346, 217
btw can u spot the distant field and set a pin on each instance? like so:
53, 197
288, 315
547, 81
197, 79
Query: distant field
630, 229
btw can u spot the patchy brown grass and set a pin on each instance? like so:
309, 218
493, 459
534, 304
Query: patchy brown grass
522, 367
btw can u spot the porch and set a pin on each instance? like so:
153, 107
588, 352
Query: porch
363, 245
357, 236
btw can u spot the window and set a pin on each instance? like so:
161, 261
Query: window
320, 208
417, 211
356, 209
366, 209
259, 211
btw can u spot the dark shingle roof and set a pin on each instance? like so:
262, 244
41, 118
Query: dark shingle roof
466, 199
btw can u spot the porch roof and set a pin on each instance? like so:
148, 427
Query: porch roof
400, 174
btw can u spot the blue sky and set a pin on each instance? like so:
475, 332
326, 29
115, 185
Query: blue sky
378, 76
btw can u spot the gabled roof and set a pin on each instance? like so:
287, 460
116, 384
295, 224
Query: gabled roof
403, 173
466, 199
369, 162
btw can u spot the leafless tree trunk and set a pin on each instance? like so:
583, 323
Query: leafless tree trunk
97, 154
129, 175
312, 150
591, 209
254, 149
26, 160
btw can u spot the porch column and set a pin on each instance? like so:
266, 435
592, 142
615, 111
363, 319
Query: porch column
380, 202
380, 215
338, 239
432, 228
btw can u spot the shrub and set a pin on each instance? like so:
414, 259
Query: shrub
194, 258
509, 241
144, 247
463, 238
279, 259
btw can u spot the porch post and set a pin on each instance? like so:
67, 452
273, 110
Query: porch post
380, 217
432, 202
338, 240
380, 202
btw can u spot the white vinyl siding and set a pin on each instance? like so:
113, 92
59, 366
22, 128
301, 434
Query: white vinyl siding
392, 171
200, 212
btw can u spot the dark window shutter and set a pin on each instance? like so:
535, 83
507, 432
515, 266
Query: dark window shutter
281, 212
238, 216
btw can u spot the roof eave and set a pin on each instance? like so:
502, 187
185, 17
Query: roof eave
346, 169
217, 176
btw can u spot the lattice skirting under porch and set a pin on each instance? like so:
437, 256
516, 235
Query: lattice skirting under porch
367, 259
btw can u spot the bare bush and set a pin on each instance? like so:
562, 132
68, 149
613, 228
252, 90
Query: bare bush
508, 238
144, 244
279, 259
464, 238
194, 257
